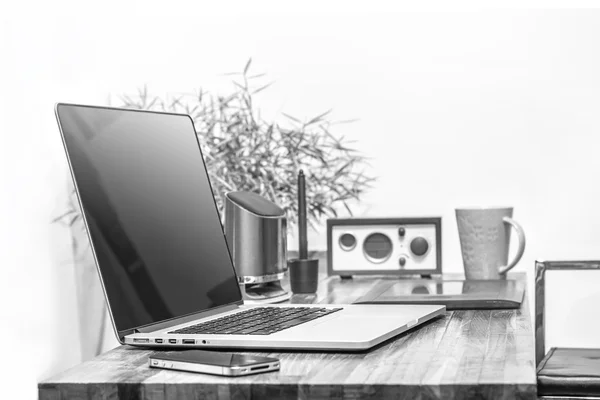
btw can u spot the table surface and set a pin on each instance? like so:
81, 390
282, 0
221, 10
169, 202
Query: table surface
464, 354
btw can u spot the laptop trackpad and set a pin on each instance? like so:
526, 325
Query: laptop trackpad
350, 327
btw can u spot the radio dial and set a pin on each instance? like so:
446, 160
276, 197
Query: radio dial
347, 241
419, 246
377, 247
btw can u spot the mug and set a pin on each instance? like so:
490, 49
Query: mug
484, 240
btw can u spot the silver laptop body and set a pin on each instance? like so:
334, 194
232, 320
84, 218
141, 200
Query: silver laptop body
161, 253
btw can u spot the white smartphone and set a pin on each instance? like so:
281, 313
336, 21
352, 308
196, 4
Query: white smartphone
213, 362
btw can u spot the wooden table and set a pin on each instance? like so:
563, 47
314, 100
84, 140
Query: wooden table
463, 355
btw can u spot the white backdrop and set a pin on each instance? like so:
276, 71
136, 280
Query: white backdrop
456, 107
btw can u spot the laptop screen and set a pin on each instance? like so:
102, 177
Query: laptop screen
150, 211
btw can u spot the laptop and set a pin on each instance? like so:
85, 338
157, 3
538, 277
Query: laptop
161, 253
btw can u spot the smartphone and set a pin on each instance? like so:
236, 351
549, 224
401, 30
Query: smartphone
213, 362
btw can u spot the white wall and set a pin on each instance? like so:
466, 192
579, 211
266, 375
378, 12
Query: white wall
456, 108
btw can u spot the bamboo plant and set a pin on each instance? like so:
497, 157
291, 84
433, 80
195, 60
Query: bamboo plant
245, 152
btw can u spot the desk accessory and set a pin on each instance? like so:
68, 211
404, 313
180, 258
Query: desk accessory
304, 272
484, 240
454, 294
563, 372
214, 363
256, 232
384, 246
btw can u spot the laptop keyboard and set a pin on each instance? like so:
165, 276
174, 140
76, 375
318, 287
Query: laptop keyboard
258, 321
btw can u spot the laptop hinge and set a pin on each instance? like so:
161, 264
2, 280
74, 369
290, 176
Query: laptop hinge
182, 320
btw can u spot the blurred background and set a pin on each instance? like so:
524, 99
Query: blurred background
455, 106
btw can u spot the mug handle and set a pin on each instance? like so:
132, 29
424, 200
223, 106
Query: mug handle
520, 250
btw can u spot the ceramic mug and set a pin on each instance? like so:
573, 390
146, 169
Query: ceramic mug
484, 240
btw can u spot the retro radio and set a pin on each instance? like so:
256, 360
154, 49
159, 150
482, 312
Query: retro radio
388, 246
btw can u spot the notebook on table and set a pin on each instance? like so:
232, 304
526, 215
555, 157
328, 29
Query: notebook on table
454, 294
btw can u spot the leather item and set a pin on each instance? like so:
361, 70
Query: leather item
569, 372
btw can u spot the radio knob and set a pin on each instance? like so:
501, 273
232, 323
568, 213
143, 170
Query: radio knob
401, 232
419, 246
402, 261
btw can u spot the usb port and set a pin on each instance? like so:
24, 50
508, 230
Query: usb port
188, 341
141, 340
172, 341
158, 340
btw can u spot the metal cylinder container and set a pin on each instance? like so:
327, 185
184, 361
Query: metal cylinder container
256, 232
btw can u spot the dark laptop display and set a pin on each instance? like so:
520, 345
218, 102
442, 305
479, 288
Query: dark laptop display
151, 216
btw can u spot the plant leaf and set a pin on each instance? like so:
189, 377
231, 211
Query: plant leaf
318, 117
256, 76
292, 118
247, 67
260, 89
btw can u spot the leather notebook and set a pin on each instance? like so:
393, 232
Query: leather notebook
454, 294
571, 372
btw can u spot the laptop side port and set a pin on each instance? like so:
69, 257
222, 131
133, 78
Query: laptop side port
136, 340
188, 341
158, 340
172, 341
